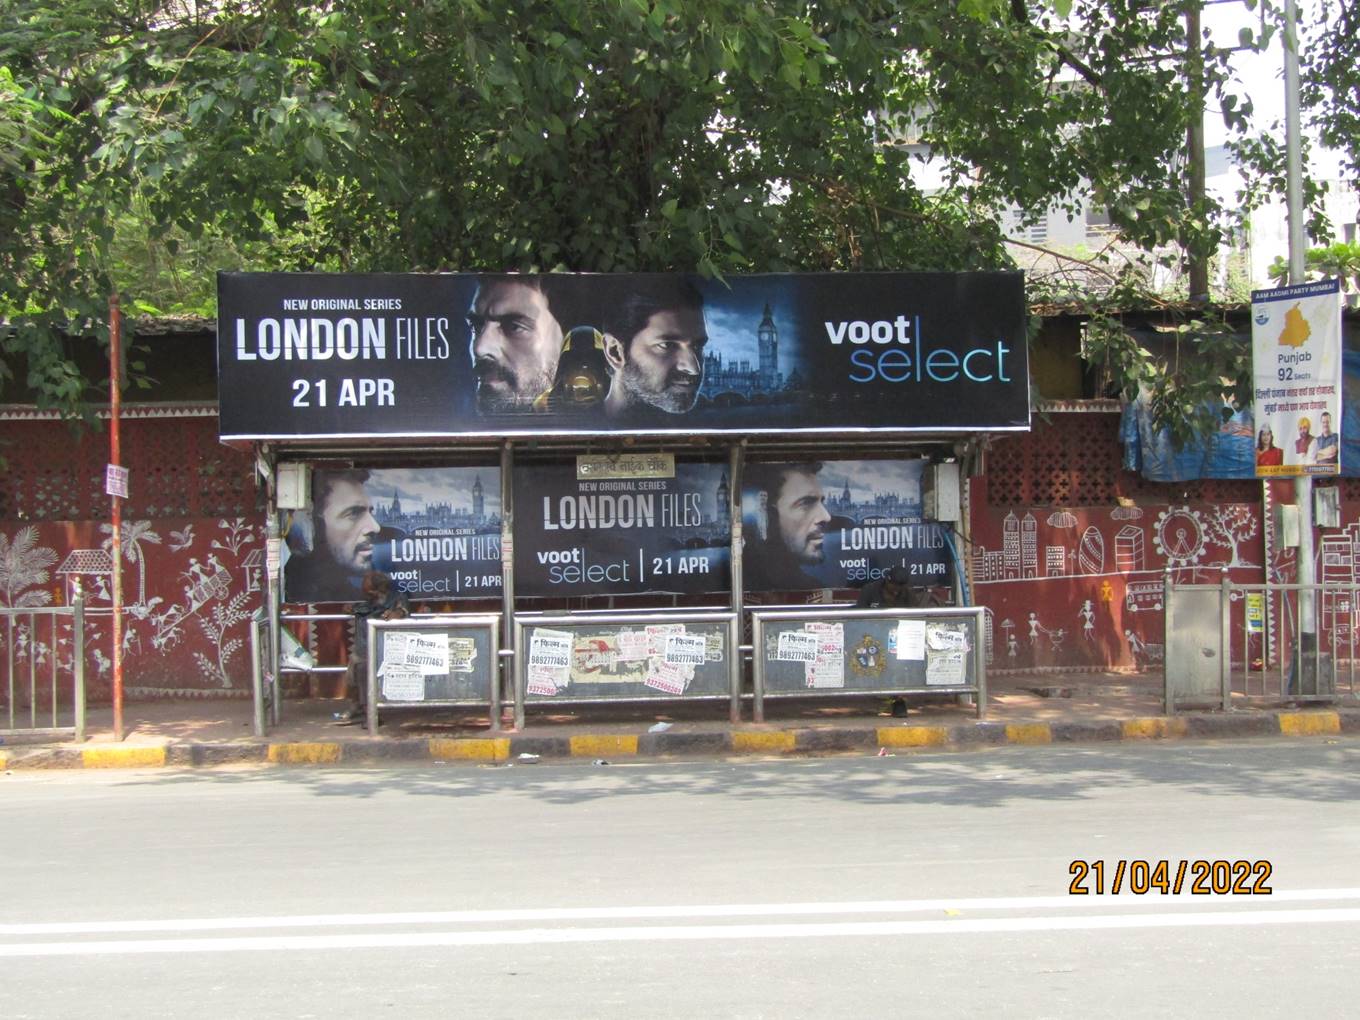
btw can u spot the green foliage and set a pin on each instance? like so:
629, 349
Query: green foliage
1333, 260
156, 141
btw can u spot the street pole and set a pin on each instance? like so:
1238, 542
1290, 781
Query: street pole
1196, 258
116, 510
1305, 671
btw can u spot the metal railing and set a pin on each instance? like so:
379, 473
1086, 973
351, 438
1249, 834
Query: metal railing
50, 656
1229, 641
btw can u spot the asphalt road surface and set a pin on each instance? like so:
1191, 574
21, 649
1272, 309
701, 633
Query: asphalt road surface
864, 887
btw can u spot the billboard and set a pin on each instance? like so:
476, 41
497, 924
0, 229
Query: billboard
435, 531
1297, 376
614, 536
444, 355
838, 524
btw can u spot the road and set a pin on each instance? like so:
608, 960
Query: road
803, 888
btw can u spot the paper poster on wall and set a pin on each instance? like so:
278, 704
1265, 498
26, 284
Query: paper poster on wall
838, 524
462, 654
685, 650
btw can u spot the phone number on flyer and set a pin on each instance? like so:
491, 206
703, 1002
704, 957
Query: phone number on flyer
1198, 878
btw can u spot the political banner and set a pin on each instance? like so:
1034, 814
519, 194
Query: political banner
613, 536
838, 524
435, 531
405, 355
1297, 372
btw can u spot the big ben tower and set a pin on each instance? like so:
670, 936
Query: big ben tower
768, 342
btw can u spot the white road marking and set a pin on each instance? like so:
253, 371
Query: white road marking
651, 912
669, 933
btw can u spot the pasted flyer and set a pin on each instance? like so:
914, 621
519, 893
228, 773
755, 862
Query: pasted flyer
945, 668
657, 634
462, 654
632, 645
685, 649
796, 646
550, 648
911, 640
403, 683
668, 677
428, 653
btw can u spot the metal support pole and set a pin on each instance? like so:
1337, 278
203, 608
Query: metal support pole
1224, 639
736, 462
116, 510
1305, 679
509, 664
272, 589
78, 660
1168, 694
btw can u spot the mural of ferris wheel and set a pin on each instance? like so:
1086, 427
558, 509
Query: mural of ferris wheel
1178, 535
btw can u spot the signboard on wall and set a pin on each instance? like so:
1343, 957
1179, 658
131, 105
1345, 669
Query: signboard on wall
435, 531
838, 524
613, 536
404, 355
1297, 371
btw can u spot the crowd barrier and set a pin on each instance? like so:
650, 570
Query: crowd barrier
434, 661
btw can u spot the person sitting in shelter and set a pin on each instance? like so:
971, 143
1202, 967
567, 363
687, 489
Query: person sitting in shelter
897, 589
382, 601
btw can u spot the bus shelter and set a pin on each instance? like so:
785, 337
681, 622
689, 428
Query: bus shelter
540, 458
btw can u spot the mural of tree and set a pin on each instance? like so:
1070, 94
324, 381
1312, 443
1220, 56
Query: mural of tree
1230, 524
223, 617
24, 569
134, 533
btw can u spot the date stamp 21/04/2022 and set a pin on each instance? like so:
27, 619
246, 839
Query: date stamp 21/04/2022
1170, 878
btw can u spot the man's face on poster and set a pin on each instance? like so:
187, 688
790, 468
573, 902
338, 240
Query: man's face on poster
663, 365
1326, 424
349, 525
802, 513
516, 342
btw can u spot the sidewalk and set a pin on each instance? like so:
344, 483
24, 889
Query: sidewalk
1020, 710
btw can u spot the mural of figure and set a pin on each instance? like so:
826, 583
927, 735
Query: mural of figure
1034, 628
1088, 620
1012, 647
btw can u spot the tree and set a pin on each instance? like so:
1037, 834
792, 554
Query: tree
710, 135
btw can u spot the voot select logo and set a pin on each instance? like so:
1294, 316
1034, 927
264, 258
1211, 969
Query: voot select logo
894, 351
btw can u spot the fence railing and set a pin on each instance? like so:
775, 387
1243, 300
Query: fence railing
55, 664
1284, 642
838, 650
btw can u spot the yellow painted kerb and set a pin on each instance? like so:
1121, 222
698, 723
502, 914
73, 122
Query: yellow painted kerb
493, 749
598, 745
122, 757
1029, 733
4, 760
1309, 724
1153, 728
304, 753
913, 736
762, 741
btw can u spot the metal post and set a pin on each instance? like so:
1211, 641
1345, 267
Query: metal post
116, 551
1225, 639
78, 651
980, 659
371, 674
256, 680
272, 593
1168, 695
736, 461
1305, 672
509, 662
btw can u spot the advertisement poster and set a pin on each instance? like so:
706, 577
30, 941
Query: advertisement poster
336, 355
435, 531
838, 524
620, 535
1297, 370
